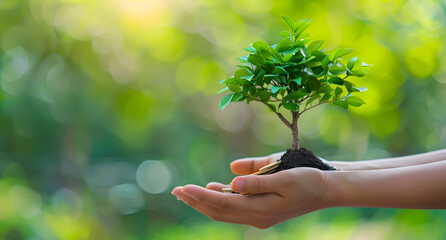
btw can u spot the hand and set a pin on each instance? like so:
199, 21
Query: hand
277, 197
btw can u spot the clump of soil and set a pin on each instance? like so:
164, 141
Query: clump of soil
302, 158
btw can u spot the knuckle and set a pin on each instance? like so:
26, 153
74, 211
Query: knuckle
258, 185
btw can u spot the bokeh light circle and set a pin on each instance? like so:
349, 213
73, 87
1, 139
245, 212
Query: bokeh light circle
153, 176
26, 202
67, 201
126, 198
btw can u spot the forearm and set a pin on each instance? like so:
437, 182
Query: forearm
395, 162
421, 187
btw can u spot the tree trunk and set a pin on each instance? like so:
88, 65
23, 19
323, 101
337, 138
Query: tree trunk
295, 138
295, 130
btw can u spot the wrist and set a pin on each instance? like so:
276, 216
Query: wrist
334, 192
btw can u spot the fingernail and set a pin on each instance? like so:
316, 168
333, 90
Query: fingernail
237, 184
189, 194
179, 198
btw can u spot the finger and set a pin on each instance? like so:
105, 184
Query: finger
272, 183
247, 166
226, 201
176, 192
215, 213
216, 186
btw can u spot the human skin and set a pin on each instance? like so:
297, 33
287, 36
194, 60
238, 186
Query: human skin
383, 163
295, 192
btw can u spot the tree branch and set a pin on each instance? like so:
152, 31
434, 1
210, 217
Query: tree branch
303, 99
306, 109
284, 120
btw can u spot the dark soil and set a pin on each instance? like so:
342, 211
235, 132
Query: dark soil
302, 158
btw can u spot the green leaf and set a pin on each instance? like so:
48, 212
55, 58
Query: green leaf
297, 25
306, 60
349, 86
243, 59
249, 78
239, 74
260, 45
245, 89
358, 64
341, 104
305, 35
300, 27
296, 95
354, 63
279, 70
287, 57
297, 80
292, 51
337, 70
332, 54
228, 80
336, 80
275, 89
284, 45
234, 88
361, 89
223, 90
264, 95
270, 76
354, 101
232, 97
291, 106
276, 55
315, 46
338, 91
300, 43
313, 64
325, 89
237, 97
251, 49
325, 97
359, 73
259, 76
320, 55
289, 21
256, 59
314, 83
343, 52
325, 62
366, 65
286, 34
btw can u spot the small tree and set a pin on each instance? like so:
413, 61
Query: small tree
294, 76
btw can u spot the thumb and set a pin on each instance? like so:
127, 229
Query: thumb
254, 184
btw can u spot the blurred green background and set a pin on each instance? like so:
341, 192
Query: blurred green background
106, 105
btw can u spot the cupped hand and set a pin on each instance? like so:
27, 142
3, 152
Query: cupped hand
276, 197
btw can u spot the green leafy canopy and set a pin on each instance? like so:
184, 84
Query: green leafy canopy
296, 73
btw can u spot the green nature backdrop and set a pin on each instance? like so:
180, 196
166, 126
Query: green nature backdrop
106, 105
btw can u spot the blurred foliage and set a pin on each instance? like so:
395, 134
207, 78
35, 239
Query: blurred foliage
106, 105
